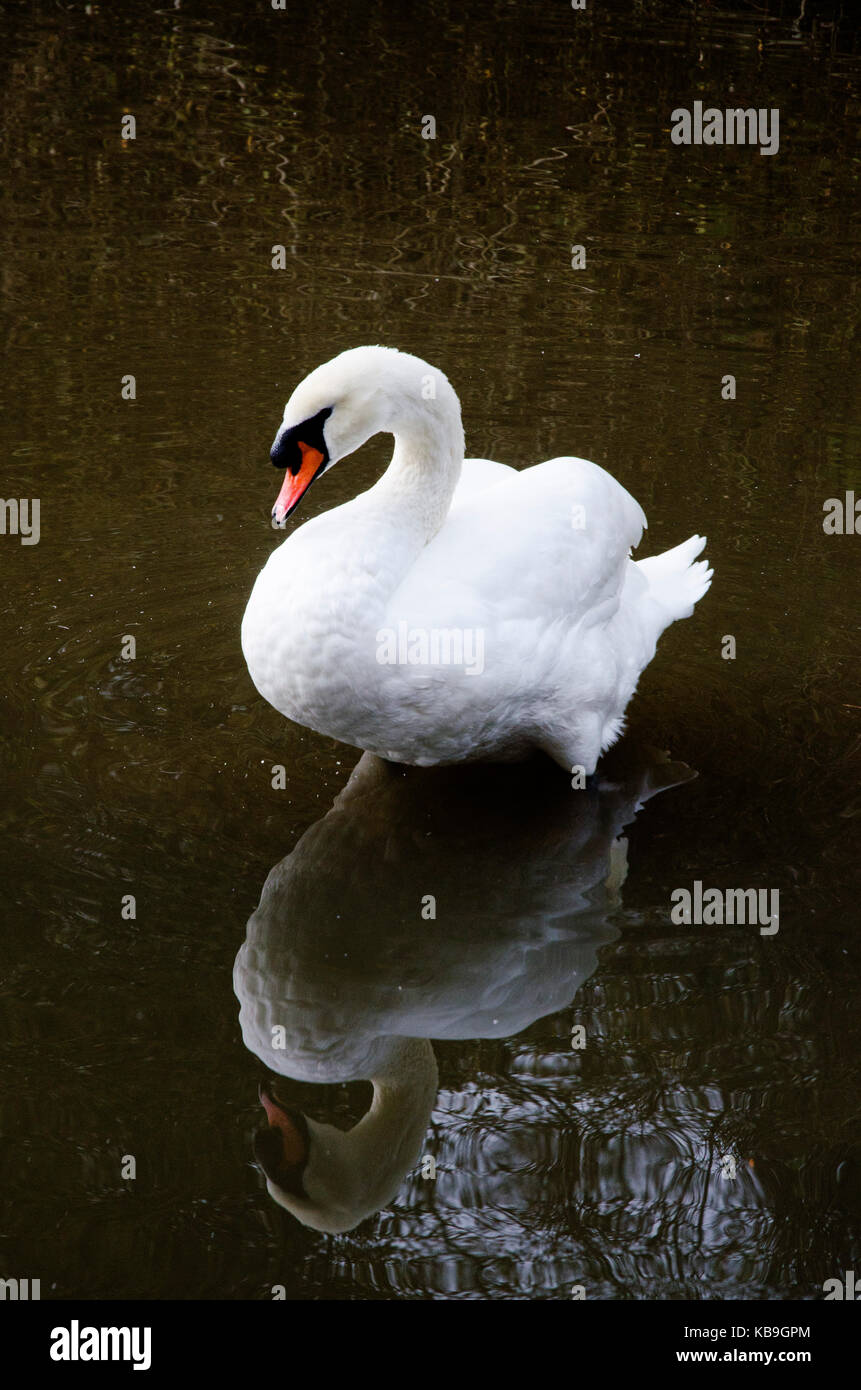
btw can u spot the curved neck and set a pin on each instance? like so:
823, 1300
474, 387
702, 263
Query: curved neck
426, 464
352, 1174
386, 1141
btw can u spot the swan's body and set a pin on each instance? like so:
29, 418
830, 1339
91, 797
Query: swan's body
458, 609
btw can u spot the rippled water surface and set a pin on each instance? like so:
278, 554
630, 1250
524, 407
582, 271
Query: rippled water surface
706, 1140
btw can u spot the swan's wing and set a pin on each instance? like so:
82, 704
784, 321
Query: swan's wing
550, 543
477, 476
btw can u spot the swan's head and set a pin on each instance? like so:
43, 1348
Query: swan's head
331, 1179
334, 411
283, 1149
308, 1170
321, 1175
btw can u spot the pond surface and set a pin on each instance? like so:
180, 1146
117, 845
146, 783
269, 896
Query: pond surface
573, 1090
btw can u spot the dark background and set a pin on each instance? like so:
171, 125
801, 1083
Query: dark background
256, 127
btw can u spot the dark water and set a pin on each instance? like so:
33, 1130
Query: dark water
710, 1050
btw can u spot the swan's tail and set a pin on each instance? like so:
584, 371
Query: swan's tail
676, 583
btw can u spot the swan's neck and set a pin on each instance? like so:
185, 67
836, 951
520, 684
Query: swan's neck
352, 1174
395, 1124
419, 483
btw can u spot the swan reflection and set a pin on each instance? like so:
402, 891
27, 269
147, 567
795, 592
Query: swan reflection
458, 903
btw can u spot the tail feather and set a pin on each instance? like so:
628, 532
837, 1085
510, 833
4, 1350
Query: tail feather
676, 582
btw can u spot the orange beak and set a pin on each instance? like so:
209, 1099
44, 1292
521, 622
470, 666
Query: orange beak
295, 485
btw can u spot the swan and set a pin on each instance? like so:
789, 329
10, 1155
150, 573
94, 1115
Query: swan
458, 610
526, 877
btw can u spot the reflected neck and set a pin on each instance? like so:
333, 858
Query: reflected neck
354, 1174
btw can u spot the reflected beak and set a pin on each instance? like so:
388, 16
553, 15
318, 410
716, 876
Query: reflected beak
294, 1135
295, 485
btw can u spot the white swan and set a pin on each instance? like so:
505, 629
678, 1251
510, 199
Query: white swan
336, 982
458, 609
